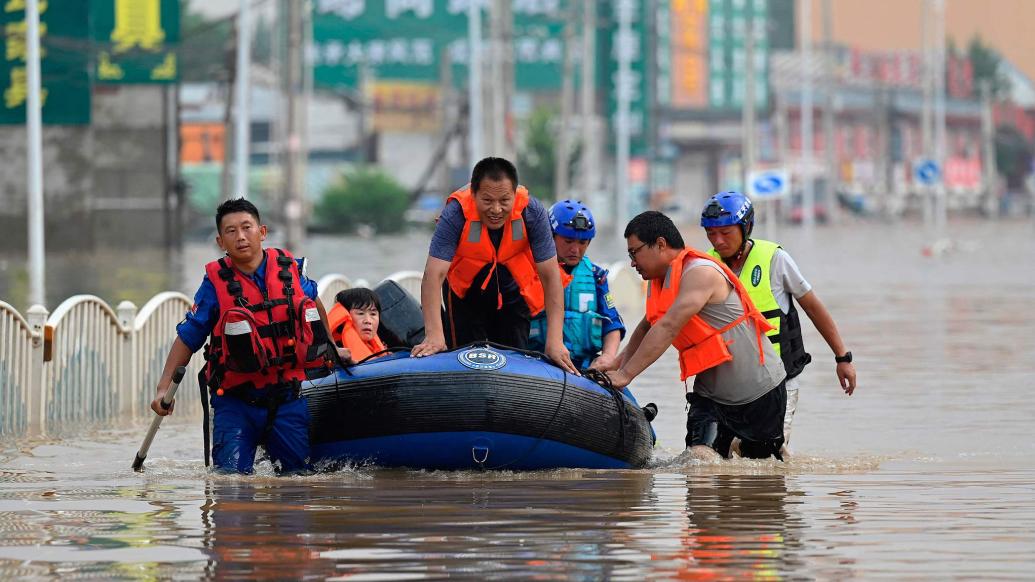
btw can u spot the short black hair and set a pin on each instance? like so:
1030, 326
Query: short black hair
651, 225
494, 169
358, 298
235, 205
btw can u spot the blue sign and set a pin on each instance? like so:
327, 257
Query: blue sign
768, 183
927, 172
482, 359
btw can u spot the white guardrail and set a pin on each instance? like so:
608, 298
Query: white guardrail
87, 362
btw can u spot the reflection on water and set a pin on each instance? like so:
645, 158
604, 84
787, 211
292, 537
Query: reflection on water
927, 472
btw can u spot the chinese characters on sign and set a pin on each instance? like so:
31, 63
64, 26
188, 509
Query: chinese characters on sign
64, 62
136, 40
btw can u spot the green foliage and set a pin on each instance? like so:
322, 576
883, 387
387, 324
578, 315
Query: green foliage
985, 61
205, 46
1013, 156
364, 196
538, 154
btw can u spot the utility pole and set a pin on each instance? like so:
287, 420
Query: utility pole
829, 88
941, 153
563, 158
927, 118
241, 86
622, 122
590, 167
501, 29
34, 126
988, 149
293, 203
475, 119
808, 194
747, 110
747, 155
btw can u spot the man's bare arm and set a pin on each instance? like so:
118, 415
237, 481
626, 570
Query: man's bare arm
435, 271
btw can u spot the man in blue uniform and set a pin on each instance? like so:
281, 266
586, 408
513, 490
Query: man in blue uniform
265, 299
593, 330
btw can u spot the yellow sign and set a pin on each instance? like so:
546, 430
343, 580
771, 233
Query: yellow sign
138, 23
405, 106
689, 53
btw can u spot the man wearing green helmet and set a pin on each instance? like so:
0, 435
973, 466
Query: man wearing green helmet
593, 330
772, 279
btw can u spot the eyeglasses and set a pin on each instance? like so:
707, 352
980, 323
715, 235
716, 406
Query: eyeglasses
632, 253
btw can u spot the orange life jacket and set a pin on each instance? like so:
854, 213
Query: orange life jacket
345, 334
476, 250
700, 345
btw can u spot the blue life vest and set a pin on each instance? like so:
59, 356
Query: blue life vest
582, 324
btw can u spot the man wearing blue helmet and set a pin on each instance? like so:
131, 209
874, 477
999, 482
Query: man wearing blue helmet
772, 278
592, 325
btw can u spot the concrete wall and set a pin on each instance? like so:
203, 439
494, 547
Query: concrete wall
104, 184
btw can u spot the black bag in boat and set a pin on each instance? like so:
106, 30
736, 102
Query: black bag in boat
402, 322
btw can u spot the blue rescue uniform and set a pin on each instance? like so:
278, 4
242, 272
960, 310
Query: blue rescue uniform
239, 427
582, 341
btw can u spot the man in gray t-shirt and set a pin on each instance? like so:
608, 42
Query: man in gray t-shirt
494, 266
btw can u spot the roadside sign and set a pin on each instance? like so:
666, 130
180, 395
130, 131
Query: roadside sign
927, 172
768, 183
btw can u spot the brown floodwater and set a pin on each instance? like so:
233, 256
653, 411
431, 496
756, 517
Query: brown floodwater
928, 472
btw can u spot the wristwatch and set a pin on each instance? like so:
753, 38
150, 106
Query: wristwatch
845, 359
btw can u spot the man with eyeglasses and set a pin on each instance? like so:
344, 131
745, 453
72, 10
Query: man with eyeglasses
697, 305
593, 330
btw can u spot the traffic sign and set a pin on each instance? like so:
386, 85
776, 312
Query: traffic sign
927, 172
768, 183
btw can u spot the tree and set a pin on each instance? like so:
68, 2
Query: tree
985, 61
1013, 156
203, 47
364, 196
537, 155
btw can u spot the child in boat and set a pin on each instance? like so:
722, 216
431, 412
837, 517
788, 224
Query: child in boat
354, 321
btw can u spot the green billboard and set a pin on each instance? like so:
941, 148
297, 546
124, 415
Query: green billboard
135, 40
407, 40
64, 62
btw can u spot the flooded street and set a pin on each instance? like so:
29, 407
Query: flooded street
928, 472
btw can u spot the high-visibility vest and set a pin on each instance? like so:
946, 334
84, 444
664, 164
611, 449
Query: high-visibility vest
786, 332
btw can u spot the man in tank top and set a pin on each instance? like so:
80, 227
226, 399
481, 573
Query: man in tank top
697, 305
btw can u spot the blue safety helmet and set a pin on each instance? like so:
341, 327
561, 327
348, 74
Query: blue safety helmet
571, 219
729, 209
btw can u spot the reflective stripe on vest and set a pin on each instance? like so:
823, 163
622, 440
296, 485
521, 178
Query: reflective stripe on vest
475, 250
700, 345
583, 326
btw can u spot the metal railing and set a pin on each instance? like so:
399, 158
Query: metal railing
85, 374
408, 280
21, 344
88, 362
331, 285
